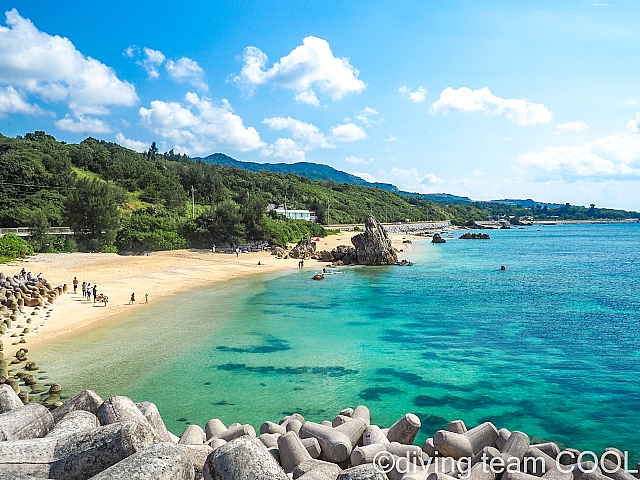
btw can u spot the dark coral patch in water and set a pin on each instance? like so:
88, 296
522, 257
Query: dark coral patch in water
431, 423
374, 394
459, 403
271, 345
326, 371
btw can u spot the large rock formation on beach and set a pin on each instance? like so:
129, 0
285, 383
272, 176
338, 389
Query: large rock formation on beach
373, 247
304, 249
438, 239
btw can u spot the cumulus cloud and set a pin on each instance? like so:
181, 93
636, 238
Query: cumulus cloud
519, 111
131, 144
369, 116
409, 179
307, 137
187, 70
570, 127
390, 138
357, 161
365, 176
199, 125
12, 102
51, 68
416, 96
81, 124
348, 132
309, 66
612, 156
151, 61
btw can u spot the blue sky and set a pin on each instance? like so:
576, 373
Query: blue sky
490, 100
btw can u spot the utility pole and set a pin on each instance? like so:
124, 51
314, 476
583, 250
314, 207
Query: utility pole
354, 212
193, 202
328, 217
285, 206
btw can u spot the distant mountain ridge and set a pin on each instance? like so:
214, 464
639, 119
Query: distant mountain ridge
320, 172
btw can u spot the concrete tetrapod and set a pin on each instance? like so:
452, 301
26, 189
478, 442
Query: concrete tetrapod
151, 413
465, 445
517, 445
192, 435
121, 409
362, 472
214, 428
75, 422
237, 431
292, 452
405, 429
372, 434
76, 456
198, 455
243, 459
161, 461
28, 421
335, 445
8, 399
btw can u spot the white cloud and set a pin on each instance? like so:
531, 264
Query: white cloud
50, 67
347, 132
308, 97
478, 172
200, 125
187, 70
519, 111
307, 137
613, 156
12, 102
391, 138
570, 127
131, 51
152, 60
131, 144
309, 134
285, 148
408, 180
417, 96
369, 116
365, 176
357, 161
310, 65
81, 124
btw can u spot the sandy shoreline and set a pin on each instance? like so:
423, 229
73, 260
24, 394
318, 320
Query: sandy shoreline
159, 274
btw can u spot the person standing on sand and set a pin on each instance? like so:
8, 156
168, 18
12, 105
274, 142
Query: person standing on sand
132, 300
146, 298
84, 289
23, 274
95, 293
75, 285
88, 290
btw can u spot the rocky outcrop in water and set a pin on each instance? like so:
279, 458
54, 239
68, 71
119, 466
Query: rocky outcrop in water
474, 236
438, 239
373, 247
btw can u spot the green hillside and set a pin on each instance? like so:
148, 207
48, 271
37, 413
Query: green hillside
118, 199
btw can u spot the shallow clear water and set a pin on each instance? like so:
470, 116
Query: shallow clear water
549, 346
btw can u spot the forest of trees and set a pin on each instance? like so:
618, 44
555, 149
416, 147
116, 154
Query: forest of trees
118, 199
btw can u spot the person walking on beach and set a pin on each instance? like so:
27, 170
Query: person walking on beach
84, 289
237, 252
95, 293
146, 298
132, 300
75, 285
23, 274
88, 291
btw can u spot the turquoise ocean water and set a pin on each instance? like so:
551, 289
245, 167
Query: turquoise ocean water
551, 346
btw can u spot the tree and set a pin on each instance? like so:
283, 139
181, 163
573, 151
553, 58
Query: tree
39, 228
223, 223
92, 212
252, 211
